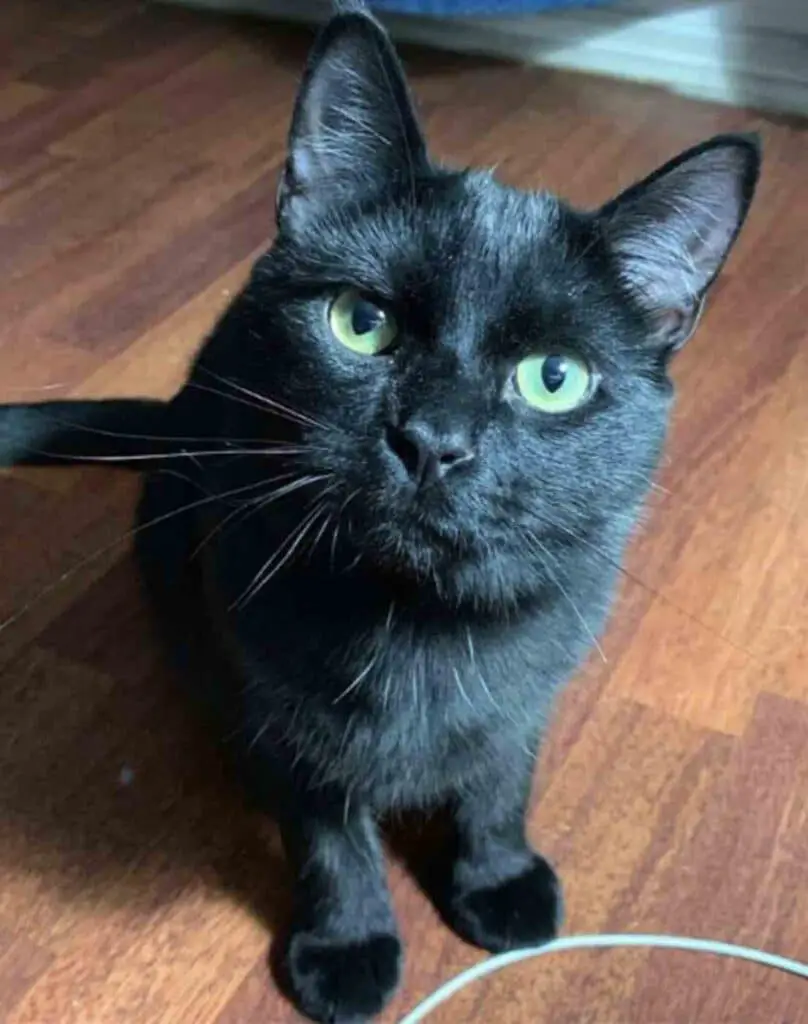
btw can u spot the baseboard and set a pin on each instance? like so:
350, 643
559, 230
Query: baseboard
750, 53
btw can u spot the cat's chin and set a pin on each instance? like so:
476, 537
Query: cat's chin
478, 583
421, 547
453, 567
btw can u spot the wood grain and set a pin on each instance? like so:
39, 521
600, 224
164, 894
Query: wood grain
138, 151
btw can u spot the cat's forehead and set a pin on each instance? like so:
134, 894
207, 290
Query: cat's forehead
493, 222
464, 231
497, 209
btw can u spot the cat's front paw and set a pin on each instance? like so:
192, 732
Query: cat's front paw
521, 911
337, 981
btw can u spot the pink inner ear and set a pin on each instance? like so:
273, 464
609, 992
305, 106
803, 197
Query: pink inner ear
673, 327
672, 233
671, 322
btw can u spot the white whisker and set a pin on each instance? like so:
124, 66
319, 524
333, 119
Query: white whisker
461, 688
225, 394
358, 680
568, 599
319, 535
95, 555
277, 560
35, 389
475, 667
387, 687
283, 449
86, 428
271, 403
260, 502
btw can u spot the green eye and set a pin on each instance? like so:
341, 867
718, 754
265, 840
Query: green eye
360, 325
555, 382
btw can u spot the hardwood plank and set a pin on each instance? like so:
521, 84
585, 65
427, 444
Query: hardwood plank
155, 50
17, 96
21, 963
736, 879
157, 362
137, 168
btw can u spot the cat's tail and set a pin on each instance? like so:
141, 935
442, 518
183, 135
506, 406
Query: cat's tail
131, 433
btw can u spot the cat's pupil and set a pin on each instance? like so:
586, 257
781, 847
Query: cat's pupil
554, 372
366, 317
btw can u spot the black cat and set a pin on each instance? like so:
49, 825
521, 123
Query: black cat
389, 505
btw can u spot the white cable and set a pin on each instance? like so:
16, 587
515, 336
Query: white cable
497, 963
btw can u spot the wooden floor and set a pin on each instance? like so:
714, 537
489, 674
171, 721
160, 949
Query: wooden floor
138, 150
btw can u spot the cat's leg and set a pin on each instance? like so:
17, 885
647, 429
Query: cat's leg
343, 955
500, 894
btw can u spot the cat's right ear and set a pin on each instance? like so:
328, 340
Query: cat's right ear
354, 129
671, 233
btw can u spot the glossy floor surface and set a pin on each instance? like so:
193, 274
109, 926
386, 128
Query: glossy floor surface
138, 151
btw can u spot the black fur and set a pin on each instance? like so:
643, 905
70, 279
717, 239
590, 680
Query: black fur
406, 650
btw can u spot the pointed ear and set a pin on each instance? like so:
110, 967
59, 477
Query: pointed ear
671, 233
354, 129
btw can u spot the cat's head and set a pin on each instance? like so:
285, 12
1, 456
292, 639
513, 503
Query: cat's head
491, 364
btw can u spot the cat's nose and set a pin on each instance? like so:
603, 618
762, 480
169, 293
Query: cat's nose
427, 451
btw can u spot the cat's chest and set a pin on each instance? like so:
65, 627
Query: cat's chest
373, 693
400, 714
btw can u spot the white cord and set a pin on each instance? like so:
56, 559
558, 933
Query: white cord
497, 963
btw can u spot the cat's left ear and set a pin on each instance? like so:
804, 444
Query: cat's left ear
671, 233
354, 130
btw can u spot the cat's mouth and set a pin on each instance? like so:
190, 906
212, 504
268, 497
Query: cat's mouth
430, 515
418, 536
